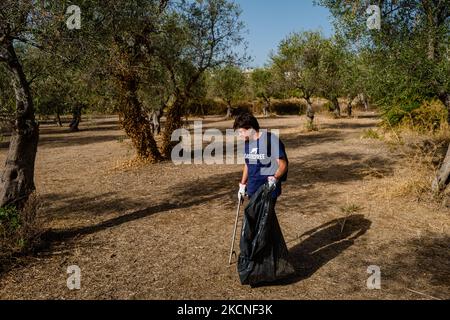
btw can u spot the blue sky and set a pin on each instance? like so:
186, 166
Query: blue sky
270, 21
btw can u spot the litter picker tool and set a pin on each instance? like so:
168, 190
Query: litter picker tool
232, 252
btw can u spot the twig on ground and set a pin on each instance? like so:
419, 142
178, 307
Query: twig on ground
423, 294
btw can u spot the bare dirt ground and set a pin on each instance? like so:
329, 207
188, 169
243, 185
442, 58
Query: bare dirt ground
163, 231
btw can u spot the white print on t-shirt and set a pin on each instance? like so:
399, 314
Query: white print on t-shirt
253, 155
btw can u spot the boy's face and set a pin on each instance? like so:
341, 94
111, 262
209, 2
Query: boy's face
246, 134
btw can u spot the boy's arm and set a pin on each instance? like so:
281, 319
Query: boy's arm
282, 168
244, 175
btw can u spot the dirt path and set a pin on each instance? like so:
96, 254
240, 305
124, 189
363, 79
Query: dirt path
163, 231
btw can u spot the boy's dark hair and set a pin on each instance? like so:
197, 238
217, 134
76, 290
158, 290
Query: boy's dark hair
246, 120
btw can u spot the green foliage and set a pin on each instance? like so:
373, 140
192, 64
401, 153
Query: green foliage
266, 84
297, 62
9, 220
403, 64
229, 84
351, 208
19, 229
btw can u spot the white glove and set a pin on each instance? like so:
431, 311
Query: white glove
242, 191
272, 182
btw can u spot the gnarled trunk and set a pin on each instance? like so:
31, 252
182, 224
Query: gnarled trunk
17, 180
229, 110
445, 98
135, 123
337, 108
265, 110
442, 180
173, 122
266, 107
58, 117
76, 118
363, 99
350, 106
310, 114
155, 120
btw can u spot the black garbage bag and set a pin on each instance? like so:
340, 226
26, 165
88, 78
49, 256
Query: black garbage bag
264, 255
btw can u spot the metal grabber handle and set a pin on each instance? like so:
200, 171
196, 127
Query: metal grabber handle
232, 252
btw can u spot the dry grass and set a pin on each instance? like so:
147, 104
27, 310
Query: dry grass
422, 154
161, 231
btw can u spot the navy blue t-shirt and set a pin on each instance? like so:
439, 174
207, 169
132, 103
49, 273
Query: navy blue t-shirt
261, 159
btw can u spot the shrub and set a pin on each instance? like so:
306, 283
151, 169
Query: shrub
328, 106
9, 220
393, 116
242, 107
430, 116
288, 107
427, 116
206, 107
19, 229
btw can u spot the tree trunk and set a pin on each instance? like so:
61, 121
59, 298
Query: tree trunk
436, 18
310, 114
229, 111
337, 108
442, 179
76, 118
173, 122
266, 107
155, 120
366, 102
58, 118
265, 110
432, 19
445, 98
363, 99
135, 123
202, 110
17, 180
350, 106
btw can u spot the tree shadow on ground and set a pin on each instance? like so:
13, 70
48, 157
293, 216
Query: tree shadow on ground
323, 244
423, 265
329, 167
348, 125
301, 140
72, 139
44, 131
368, 116
183, 196
75, 140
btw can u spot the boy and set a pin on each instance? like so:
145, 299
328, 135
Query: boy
264, 254
265, 158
